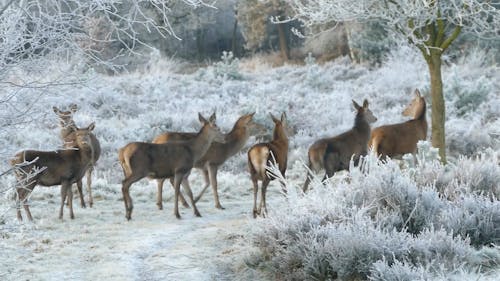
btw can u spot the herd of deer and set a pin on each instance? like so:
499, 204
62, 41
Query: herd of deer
172, 155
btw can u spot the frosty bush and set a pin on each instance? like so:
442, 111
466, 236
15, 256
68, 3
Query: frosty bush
478, 175
475, 217
371, 42
469, 98
228, 67
379, 221
397, 271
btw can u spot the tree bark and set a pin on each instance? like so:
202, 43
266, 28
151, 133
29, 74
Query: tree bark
438, 106
283, 42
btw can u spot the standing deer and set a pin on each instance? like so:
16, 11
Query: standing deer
216, 155
169, 160
61, 167
398, 139
68, 129
334, 154
263, 155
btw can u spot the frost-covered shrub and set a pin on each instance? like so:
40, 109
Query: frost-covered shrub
314, 75
397, 271
228, 67
395, 198
478, 175
475, 217
468, 97
379, 221
371, 42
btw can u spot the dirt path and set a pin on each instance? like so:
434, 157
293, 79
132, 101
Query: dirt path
101, 245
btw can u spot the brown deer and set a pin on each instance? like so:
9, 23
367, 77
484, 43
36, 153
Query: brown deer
262, 155
68, 129
61, 167
334, 154
398, 139
160, 161
216, 155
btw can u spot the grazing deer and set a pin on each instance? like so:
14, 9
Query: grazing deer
334, 154
68, 129
216, 155
398, 139
160, 161
263, 155
61, 167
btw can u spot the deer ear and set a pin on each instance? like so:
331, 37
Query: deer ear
275, 120
212, 117
249, 117
91, 127
202, 119
356, 105
73, 107
365, 104
417, 93
283, 117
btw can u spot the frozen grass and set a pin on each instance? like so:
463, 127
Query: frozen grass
385, 218
379, 222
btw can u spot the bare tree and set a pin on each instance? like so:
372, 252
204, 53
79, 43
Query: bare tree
32, 30
254, 17
430, 25
37, 35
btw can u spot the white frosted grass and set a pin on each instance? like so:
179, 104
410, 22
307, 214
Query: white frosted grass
138, 106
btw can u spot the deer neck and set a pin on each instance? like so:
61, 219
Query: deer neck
420, 113
86, 153
279, 136
236, 139
200, 144
361, 125
67, 128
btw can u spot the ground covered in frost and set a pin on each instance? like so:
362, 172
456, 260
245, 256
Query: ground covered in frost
101, 244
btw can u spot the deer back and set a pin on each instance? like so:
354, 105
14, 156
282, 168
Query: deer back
60, 165
401, 138
353, 142
265, 154
164, 160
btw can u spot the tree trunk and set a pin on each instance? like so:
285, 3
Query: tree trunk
438, 106
283, 42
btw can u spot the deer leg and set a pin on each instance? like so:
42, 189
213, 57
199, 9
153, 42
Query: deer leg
332, 165
187, 189
263, 207
19, 200
181, 197
177, 184
129, 206
159, 195
22, 198
212, 169
64, 193
89, 186
207, 184
69, 194
307, 182
80, 193
255, 191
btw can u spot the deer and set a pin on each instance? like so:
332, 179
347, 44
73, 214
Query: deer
215, 156
48, 168
398, 139
261, 156
68, 129
167, 160
334, 154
